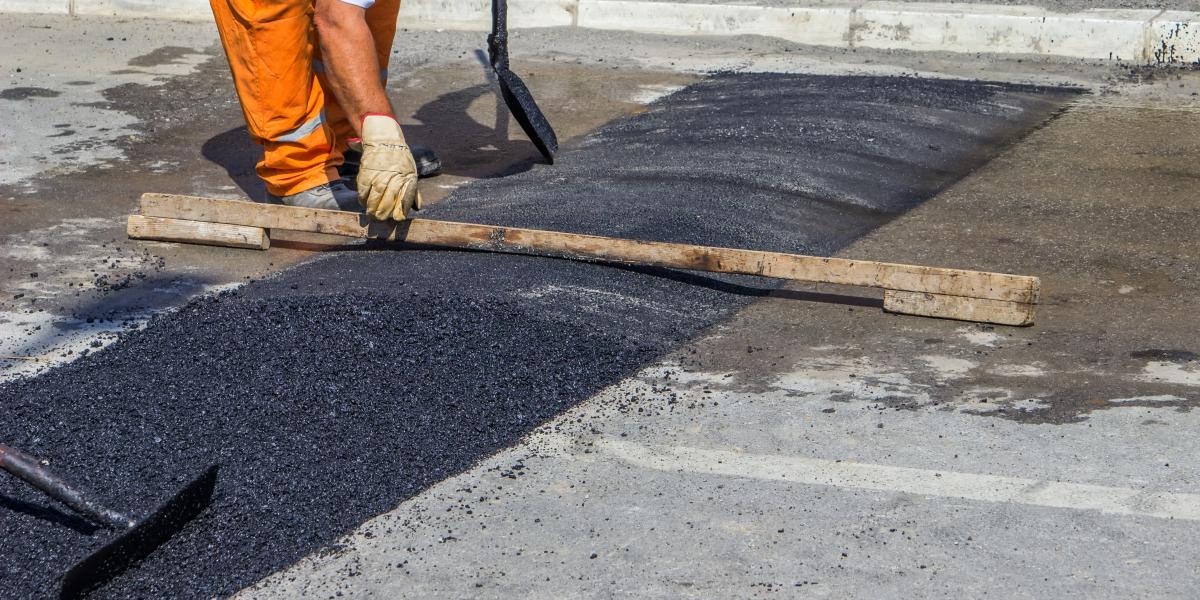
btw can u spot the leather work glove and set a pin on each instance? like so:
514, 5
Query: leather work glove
387, 174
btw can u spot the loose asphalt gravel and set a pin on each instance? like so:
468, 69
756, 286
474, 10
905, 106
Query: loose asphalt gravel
337, 389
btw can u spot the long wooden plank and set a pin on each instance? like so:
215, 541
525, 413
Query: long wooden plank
197, 232
901, 277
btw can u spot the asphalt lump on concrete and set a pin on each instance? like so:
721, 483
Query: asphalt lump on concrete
335, 390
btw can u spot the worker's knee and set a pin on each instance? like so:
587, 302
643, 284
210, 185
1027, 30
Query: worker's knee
332, 15
321, 18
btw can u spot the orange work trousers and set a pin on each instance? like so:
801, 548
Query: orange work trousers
274, 55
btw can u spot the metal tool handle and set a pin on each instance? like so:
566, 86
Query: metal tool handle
498, 39
31, 470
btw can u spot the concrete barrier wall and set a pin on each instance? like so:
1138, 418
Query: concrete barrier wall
1144, 36
477, 14
180, 9
59, 7
171, 9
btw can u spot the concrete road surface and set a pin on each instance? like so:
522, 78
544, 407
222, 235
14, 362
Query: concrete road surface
808, 445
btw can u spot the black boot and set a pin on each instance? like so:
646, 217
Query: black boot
428, 163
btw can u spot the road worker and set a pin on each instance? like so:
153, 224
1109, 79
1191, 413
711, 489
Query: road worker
310, 75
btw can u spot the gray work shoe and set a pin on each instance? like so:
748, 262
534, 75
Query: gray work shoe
335, 195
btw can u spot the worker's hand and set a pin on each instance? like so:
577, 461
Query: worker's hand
387, 175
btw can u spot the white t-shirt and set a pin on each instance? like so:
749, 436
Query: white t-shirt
360, 3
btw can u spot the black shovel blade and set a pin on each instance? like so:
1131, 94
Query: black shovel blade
139, 541
525, 110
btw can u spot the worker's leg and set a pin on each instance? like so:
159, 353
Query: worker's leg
381, 19
269, 44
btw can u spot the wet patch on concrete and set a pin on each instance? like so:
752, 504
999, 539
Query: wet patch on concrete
341, 387
167, 55
878, 362
1177, 356
74, 58
25, 93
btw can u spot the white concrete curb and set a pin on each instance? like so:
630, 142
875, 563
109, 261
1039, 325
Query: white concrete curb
60, 7
1131, 35
1143, 36
182, 9
476, 15
821, 26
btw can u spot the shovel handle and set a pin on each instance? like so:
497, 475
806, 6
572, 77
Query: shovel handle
498, 39
32, 472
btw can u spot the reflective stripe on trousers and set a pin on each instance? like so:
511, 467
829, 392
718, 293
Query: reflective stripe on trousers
304, 130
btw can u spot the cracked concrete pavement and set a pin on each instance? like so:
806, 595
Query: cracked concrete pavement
809, 446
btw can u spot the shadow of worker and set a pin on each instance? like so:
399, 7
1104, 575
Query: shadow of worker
466, 147
234, 151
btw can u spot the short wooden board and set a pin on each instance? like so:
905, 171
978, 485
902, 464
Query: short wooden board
197, 232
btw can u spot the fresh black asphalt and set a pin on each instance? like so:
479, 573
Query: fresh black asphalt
337, 389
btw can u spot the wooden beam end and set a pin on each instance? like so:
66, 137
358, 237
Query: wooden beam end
960, 308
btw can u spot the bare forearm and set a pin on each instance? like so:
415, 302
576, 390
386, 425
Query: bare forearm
351, 67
